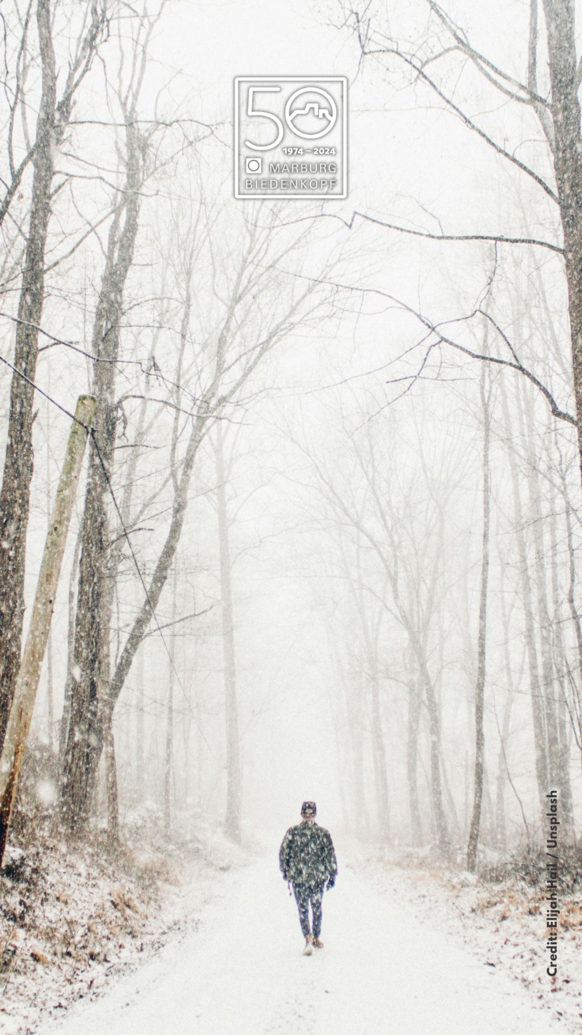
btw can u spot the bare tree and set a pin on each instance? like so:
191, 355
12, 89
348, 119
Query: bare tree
364, 503
434, 62
233, 761
54, 114
96, 577
485, 392
248, 318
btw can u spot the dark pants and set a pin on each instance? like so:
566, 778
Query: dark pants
304, 894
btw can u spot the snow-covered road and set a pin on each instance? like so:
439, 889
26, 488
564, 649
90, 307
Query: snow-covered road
243, 973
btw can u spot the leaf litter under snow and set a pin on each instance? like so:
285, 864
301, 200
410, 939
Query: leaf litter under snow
75, 918
501, 923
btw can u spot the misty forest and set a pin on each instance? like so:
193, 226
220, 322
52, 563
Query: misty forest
290, 508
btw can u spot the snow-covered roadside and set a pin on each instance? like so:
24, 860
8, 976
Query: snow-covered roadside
397, 958
242, 973
503, 925
72, 922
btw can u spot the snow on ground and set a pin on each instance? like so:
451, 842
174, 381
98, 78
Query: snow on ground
73, 920
382, 970
502, 925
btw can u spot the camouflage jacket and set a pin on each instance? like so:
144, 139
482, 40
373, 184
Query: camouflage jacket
307, 854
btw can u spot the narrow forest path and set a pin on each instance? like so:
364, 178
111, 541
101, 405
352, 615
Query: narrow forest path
243, 973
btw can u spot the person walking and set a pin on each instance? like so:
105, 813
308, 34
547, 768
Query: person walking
307, 861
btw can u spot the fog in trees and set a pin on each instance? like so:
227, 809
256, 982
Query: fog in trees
326, 542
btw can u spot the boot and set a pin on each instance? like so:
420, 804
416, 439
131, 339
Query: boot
317, 943
308, 945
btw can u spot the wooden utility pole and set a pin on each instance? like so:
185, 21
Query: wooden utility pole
40, 622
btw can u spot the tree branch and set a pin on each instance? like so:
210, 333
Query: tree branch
465, 118
434, 329
496, 238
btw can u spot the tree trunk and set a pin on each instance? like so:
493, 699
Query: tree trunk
340, 721
200, 787
481, 643
563, 744
18, 464
91, 674
414, 708
49, 694
140, 731
233, 765
487, 811
360, 806
500, 840
567, 155
379, 759
541, 757
341, 773
547, 633
440, 822
26, 686
49, 647
111, 783
66, 716
417, 646
575, 709
169, 751
52, 122
371, 632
